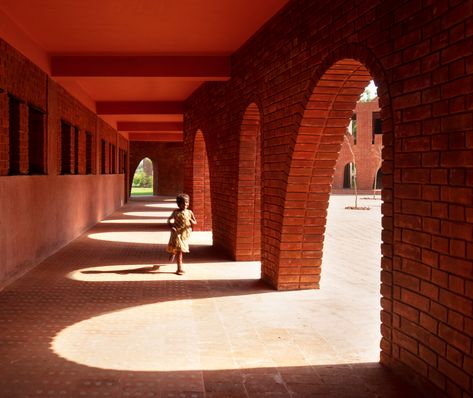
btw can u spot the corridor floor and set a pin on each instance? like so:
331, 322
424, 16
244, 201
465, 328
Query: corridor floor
97, 320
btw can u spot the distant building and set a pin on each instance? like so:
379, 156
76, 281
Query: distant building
366, 143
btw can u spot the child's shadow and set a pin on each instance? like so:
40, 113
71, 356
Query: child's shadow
154, 269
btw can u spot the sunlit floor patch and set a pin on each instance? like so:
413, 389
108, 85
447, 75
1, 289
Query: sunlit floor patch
150, 214
269, 329
150, 237
166, 205
134, 221
145, 237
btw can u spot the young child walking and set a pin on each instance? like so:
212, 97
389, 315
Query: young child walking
180, 222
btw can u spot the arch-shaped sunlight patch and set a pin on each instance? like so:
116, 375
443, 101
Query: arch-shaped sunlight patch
133, 221
202, 238
201, 334
113, 341
147, 214
144, 237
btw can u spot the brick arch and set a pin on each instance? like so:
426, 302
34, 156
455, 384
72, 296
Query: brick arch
200, 197
337, 85
248, 239
134, 164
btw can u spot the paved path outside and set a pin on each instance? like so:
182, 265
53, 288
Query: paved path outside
96, 320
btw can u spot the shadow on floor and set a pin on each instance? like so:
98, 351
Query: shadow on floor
47, 303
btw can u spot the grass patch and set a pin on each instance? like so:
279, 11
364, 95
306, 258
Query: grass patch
141, 191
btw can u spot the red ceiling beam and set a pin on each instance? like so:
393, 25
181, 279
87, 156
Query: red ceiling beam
206, 67
160, 137
139, 107
150, 126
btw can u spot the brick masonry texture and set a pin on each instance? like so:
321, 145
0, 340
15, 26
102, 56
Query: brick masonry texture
47, 211
305, 70
367, 154
168, 165
293, 88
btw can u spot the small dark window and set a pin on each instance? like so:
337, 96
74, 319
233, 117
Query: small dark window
378, 180
349, 175
120, 161
376, 125
125, 160
88, 153
14, 135
114, 159
66, 164
111, 158
103, 157
36, 147
76, 150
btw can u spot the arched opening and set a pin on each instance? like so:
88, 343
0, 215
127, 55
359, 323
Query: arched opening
248, 240
322, 131
201, 200
348, 175
144, 179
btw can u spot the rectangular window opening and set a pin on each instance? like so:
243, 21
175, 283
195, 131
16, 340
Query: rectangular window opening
66, 164
36, 140
76, 150
14, 135
376, 126
112, 159
88, 153
102, 156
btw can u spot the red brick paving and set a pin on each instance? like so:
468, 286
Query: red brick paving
95, 320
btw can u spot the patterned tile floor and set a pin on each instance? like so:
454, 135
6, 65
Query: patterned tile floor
97, 320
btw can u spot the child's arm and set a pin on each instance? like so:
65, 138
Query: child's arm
193, 220
171, 217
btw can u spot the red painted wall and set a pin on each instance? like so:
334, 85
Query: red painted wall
41, 213
305, 70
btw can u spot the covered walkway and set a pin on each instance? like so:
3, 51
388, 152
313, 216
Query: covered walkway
96, 319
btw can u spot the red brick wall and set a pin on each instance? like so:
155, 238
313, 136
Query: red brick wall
367, 154
248, 239
110, 136
298, 70
63, 107
201, 197
47, 211
168, 161
30, 89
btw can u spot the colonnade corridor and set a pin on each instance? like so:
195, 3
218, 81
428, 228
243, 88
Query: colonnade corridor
97, 319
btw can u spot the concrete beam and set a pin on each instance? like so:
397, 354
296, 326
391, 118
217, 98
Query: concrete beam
156, 137
198, 67
139, 107
150, 126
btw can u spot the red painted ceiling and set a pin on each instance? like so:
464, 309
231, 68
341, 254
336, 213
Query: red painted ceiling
140, 28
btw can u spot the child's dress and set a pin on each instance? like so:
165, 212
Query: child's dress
179, 240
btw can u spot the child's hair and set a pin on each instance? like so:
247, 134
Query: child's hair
182, 197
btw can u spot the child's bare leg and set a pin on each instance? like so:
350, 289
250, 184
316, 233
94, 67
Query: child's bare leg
171, 257
180, 271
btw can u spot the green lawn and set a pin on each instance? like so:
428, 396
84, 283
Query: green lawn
141, 191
